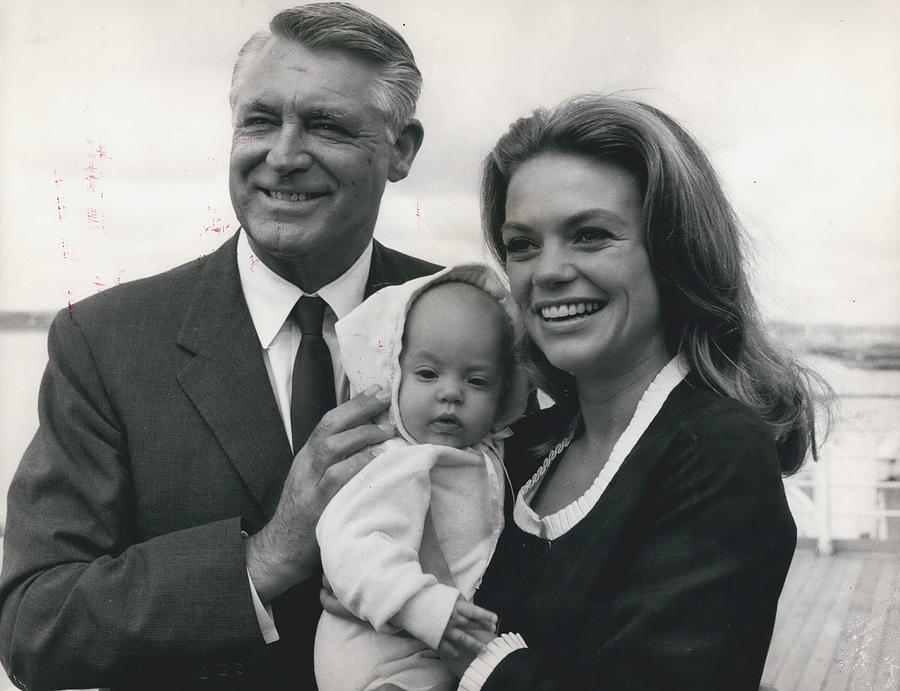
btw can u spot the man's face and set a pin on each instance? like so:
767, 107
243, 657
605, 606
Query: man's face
309, 160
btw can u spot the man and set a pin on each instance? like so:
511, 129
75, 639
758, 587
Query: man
161, 528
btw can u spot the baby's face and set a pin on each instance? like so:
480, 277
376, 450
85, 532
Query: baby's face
451, 372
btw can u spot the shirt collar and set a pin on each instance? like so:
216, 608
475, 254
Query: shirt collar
270, 297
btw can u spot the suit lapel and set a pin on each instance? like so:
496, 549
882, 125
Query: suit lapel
227, 379
378, 271
390, 267
228, 382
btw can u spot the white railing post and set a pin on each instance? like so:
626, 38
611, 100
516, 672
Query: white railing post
822, 499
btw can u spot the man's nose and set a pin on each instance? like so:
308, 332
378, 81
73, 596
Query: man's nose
553, 266
290, 152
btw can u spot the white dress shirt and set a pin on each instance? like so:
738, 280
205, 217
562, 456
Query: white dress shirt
270, 299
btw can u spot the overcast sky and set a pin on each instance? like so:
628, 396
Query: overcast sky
114, 130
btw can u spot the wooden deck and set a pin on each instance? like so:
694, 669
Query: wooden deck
838, 623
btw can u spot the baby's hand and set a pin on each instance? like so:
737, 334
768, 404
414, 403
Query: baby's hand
469, 629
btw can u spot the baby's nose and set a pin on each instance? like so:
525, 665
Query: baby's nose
450, 391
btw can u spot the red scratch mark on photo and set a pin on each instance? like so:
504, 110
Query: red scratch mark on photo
91, 178
421, 222
95, 219
254, 262
100, 285
217, 225
96, 152
60, 207
67, 254
69, 304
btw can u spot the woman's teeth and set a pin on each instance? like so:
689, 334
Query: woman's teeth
574, 309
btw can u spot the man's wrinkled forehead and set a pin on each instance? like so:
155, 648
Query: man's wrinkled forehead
281, 54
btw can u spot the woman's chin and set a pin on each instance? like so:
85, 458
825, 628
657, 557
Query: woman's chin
573, 362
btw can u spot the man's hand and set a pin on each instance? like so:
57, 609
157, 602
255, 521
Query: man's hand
285, 551
469, 629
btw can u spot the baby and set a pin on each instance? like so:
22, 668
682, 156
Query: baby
405, 543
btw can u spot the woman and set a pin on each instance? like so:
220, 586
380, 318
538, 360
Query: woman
650, 539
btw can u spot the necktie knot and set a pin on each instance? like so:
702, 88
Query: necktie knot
309, 313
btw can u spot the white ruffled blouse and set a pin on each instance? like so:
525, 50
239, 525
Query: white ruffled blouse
554, 525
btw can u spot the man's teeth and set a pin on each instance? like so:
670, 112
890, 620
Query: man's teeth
575, 309
291, 196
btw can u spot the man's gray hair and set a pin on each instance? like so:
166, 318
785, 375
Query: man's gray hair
345, 27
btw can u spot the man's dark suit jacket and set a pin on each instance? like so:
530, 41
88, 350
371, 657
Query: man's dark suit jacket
159, 442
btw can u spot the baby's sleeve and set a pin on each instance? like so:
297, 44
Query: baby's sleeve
369, 537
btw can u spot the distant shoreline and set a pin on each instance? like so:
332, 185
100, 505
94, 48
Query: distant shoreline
875, 347
25, 321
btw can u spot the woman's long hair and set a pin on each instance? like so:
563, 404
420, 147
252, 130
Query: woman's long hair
695, 248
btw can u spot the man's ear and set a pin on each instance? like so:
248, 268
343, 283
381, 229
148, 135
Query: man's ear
405, 149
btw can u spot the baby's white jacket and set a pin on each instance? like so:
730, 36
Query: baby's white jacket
417, 526
412, 531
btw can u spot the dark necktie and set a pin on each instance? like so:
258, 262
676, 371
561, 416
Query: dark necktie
312, 389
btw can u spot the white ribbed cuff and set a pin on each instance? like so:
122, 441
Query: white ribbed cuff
264, 616
478, 672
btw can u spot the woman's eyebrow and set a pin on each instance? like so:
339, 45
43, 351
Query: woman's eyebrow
514, 226
594, 214
576, 218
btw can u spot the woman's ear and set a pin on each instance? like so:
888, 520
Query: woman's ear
405, 149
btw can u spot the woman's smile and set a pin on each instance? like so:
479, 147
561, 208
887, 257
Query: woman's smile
567, 311
578, 266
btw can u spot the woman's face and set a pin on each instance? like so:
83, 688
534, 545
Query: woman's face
578, 267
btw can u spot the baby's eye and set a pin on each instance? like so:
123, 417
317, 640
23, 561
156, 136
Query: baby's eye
426, 373
479, 381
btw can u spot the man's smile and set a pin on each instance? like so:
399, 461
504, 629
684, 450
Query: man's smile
281, 196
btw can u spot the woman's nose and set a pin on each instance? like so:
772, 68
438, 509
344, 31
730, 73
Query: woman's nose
553, 267
289, 151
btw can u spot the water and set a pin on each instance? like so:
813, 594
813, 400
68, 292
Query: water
23, 356
868, 425
863, 447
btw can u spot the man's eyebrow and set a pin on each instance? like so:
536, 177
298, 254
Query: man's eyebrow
258, 105
327, 114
